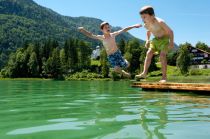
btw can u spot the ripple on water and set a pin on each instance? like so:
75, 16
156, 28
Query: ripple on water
124, 118
63, 124
134, 109
63, 120
128, 131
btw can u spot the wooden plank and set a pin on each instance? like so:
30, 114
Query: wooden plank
173, 86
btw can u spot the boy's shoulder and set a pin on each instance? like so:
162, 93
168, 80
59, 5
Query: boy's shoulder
100, 37
159, 20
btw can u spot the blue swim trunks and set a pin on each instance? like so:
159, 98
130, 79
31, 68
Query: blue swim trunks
117, 59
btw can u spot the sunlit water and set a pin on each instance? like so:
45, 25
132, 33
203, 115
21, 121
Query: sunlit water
99, 110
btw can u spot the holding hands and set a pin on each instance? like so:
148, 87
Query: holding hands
80, 29
137, 25
171, 46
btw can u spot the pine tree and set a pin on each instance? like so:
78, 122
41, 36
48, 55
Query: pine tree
122, 45
84, 53
184, 58
33, 65
104, 64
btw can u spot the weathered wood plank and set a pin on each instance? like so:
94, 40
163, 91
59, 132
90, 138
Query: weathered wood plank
173, 86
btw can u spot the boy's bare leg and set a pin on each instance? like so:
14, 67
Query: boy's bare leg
163, 61
147, 63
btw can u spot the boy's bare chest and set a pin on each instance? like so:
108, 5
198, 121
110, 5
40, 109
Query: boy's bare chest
154, 28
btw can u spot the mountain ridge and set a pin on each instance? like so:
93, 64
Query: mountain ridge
25, 20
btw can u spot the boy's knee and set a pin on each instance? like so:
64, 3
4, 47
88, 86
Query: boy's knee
162, 55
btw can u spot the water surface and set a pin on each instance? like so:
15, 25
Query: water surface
99, 110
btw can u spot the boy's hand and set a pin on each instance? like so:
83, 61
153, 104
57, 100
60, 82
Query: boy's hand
171, 46
137, 25
80, 28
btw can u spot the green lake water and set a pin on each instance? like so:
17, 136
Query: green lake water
99, 110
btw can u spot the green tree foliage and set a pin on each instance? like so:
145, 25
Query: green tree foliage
3, 59
33, 65
171, 58
133, 52
24, 20
104, 64
142, 58
47, 60
16, 66
71, 54
202, 46
84, 53
63, 61
10, 69
184, 58
21, 63
52, 66
122, 45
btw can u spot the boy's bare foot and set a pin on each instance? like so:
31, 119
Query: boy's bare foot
125, 74
162, 81
140, 76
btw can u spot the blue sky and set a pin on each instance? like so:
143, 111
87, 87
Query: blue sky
189, 19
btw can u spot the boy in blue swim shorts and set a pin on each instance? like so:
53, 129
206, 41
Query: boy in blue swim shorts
117, 59
114, 55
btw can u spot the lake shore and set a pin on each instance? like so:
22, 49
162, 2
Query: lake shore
178, 79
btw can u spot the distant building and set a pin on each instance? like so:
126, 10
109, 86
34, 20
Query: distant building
201, 58
96, 53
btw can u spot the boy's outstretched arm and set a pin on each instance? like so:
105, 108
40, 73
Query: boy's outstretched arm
130, 27
127, 28
170, 33
87, 33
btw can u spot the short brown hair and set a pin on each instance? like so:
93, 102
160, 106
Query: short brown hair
103, 24
147, 10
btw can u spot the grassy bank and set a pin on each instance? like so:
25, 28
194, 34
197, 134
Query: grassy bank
174, 75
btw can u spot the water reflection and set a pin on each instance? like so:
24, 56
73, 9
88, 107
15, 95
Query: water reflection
152, 119
161, 110
192, 98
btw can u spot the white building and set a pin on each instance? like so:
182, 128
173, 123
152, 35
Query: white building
96, 53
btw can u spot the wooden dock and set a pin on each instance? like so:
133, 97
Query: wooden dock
173, 86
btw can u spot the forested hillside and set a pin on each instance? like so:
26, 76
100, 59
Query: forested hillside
24, 20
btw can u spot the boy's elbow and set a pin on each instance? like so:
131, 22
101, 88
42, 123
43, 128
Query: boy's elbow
171, 32
125, 30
